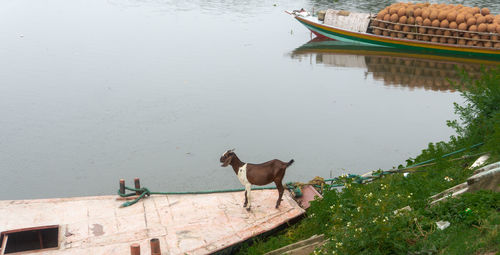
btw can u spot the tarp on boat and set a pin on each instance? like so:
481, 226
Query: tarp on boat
350, 21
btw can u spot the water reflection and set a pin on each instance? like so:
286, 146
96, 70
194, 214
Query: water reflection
394, 67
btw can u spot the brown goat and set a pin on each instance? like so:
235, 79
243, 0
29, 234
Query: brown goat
256, 174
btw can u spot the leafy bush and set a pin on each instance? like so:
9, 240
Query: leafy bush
368, 219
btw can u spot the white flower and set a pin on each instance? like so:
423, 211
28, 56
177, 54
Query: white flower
448, 179
349, 224
359, 208
339, 244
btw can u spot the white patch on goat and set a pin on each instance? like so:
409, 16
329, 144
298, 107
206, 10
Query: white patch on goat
242, 176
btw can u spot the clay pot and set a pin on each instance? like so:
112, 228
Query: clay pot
480, 20
451, 16
489, 18
445, 23
419, 20
434, 15
471, 21
485, 11
462, 26
381, 14
442, 15
417, 12
427, 22
402, 11
482, 27
394, 18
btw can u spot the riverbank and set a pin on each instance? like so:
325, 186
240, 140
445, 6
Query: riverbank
364, 219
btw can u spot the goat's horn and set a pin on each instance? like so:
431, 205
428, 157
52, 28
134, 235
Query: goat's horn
231, 150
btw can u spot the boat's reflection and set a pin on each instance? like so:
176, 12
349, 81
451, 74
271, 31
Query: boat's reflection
394, 67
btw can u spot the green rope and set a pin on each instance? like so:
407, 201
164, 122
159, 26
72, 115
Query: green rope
146, 192
334, 182
446, 155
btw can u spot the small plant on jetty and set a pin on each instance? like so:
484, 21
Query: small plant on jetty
392, 214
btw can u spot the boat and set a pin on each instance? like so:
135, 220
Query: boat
213, 223
395, 67
357, 29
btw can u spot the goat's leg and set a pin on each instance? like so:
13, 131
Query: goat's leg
246, 199
280, 191
248, 196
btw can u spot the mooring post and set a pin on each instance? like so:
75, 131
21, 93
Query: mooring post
155, 246
137, 184
135, 249
122, 186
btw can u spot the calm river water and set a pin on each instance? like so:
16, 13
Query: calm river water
93, 91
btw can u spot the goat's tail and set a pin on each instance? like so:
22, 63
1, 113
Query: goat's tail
290, 163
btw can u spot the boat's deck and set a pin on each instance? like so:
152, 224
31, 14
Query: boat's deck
192, 224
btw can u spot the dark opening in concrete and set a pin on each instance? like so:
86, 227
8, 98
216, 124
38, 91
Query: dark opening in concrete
30, 239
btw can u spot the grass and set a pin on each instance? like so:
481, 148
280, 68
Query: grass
363, 218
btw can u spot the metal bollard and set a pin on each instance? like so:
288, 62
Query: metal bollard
155, 246
137, 184
135, 249
122, 186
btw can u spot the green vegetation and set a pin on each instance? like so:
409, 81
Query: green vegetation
364, 219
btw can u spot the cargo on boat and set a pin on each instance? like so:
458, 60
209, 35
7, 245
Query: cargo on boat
437, 29
183, 224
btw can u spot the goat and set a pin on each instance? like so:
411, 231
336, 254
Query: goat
256, 174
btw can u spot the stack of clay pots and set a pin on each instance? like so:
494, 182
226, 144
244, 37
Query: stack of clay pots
440, 23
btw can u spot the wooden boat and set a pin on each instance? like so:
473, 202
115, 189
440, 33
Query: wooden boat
357, 28
183, 224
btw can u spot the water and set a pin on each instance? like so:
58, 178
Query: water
94, 91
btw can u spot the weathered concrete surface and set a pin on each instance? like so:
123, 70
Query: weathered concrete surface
184, 224
303, 247
487, 180
484, 178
